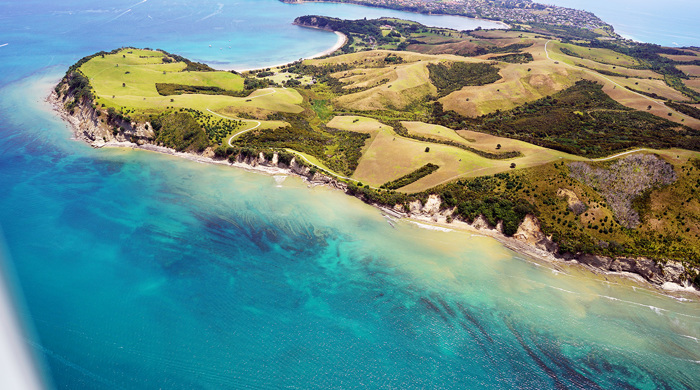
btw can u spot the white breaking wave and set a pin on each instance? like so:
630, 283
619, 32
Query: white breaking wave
221, 7
279, 179
121, 14
140, 2
431, 227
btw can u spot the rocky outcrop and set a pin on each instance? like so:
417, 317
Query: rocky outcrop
531, 235
650, 270
430, 208
321, 23
93, 125
530, 232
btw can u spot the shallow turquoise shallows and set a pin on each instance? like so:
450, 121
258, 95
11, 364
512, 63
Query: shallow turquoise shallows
144, 271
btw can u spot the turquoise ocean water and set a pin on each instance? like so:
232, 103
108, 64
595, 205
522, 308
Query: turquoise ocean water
141, 270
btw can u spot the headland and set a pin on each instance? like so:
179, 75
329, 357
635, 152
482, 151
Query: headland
403, 117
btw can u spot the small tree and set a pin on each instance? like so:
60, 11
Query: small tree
512, 165
498, 146
123, 84
427, 149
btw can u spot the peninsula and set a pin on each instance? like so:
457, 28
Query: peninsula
517, 13
581, 148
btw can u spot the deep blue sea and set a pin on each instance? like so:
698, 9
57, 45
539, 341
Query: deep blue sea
138, 270
669, 22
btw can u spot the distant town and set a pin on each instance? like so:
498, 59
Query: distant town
509, 11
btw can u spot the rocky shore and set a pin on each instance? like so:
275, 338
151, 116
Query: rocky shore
529, 239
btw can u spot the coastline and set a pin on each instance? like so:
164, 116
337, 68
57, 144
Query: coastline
547, 258
506, 25
340, 42
528, 241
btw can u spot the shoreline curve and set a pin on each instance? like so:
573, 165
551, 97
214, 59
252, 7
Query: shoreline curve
340, 42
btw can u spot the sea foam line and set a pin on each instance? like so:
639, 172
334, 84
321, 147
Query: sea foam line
431, 227
658, 310
140, 2
221, 7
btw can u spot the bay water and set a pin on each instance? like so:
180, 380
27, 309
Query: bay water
669, 23
141, 270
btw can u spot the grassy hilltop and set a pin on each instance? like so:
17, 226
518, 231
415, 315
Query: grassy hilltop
498, 123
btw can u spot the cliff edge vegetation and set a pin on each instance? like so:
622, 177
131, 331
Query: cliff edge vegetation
498, 128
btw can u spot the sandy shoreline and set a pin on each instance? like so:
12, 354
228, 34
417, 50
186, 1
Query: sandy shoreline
531, 253
543, 257
429, 220
340, 42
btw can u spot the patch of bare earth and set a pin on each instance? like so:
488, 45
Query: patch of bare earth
624, 180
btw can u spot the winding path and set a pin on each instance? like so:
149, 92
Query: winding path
258, 123
265, 94
621, 154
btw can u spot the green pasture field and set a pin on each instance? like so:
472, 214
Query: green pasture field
605, 56
126, 81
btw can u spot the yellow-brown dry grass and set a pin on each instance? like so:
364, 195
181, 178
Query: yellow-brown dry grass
599, 55
643, 103
388, 156
681, 58
516, 87
503, 34
407, 83
374, 57
693, 84
690, 70
658, 87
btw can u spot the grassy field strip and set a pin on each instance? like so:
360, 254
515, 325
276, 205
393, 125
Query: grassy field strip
92, 77
546, 52
326, 169
470, 174
240, 132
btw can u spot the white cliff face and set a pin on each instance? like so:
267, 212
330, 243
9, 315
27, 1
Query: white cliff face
530, 232
90, 125
431, 209
671, 275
